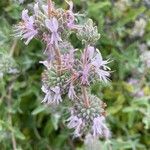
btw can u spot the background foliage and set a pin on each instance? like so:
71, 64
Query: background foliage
30, 126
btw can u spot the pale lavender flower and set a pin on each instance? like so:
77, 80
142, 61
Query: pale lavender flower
36, 8
99, 127
45, 9
70, 16
101, 67
26, 28
71, 93
53, 95
49, 50
68, 59
52, 25
85, 75
92, 59
57, 95
76, 123
48, 95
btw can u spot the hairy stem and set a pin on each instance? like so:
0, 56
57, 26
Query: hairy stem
14, 143
49, 3
58, 58
84, 89
57, 51
85, 96
12, 50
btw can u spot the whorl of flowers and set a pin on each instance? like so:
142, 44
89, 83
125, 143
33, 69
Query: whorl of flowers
68, 71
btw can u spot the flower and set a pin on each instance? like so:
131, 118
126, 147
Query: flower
92, 61
85, 75
76, 123
68, 59
53, 95
71, 93
49, 50
99, 128
70, 16
100, 66
57, 95
26, 29
48, 96
52, 25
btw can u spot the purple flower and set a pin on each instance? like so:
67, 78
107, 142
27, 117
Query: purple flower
99, 128
71, 93
68, 59
85, 75
49, 50
101, 67
76, 123
86, 58
36, 9
57, 95
48, 97
26, 29
53, 95
70, 16
52, 25
92, 61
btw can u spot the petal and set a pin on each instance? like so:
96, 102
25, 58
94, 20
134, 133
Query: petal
25, 16
52, 24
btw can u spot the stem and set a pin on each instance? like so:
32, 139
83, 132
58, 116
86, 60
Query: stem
84, 89
70, 142
14, 143
49, 3
85, 96
57, 51
12, 50
58, 58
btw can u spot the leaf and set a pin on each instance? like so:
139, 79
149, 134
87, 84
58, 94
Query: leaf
38, 110
55, 120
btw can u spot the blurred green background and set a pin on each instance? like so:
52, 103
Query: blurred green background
25, 123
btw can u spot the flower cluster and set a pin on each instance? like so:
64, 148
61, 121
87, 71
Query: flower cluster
69, 72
